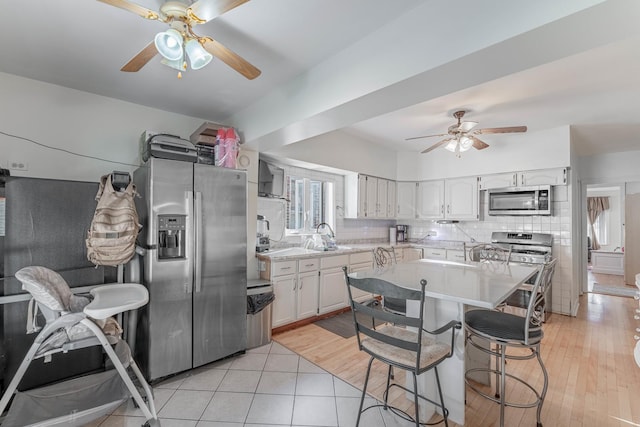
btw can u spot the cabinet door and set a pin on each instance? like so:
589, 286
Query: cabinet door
362, 196
307, 295
499, 180
461, 198
430, 200
371, 196
381, 199
411, 254
358, 294
284, 288
556, 176
391, 199
406, 200
333, 290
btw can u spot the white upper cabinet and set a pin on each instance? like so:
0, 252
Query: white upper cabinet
447, 199
369, 197
461, 198
430, 200
391, 199
382, 194
406, 200
362, 197
555, 176
498, 180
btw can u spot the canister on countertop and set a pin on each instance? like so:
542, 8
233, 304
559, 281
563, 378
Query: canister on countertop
392, 235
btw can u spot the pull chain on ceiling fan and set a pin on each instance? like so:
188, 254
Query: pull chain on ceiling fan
460, 136
180, 42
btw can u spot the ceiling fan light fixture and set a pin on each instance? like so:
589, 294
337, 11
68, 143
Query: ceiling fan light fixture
169, 44
451, 145
465, 143
198, 56
178, 64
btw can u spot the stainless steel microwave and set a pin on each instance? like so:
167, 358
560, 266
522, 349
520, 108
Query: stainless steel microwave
520, 201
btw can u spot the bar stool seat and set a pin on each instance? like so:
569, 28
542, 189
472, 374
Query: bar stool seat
504, 330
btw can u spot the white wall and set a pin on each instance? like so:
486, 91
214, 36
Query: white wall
79, 122
609, 168
343, 151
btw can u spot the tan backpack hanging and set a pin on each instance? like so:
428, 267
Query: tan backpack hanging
114, 228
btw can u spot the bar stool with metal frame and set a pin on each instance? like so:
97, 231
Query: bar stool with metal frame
398, 343
506, 330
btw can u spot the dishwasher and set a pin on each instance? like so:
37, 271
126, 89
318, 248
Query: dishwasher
260, 297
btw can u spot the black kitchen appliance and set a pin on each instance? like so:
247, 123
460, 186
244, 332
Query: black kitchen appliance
402, 233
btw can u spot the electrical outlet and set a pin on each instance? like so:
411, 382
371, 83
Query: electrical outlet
16, 165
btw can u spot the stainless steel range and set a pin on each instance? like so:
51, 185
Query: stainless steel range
527, 248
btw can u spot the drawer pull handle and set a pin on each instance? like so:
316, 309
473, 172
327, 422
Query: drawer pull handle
309, 265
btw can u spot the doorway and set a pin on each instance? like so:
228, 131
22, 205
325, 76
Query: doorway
605, 238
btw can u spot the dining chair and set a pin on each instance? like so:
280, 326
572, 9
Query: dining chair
402, 342
511, 331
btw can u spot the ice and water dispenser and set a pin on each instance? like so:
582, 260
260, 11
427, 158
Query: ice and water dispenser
171, 236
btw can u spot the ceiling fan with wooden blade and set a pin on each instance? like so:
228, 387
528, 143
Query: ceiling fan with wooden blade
461, 136
179, 42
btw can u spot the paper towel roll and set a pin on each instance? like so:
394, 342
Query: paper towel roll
392, 235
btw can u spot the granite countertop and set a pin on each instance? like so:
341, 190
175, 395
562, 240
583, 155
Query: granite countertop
294, 253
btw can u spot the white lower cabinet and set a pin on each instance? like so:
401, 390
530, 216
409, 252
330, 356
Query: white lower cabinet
284, 305
333, 291
361, 261
307, 295
295, 285
307, 287
411, 254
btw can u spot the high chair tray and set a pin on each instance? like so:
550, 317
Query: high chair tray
110, 300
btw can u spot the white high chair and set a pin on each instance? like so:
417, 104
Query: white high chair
74, 322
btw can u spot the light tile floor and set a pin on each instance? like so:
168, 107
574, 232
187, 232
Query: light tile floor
266, 387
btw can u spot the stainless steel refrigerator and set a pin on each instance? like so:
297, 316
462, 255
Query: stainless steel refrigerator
195, 234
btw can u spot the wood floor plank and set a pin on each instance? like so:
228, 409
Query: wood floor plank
593, 379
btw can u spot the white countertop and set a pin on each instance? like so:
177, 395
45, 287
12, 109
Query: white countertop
301, 253
480, 284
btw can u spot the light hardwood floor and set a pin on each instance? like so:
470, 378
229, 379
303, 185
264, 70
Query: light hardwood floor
593, 379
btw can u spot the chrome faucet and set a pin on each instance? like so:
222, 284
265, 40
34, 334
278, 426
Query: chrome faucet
324, 224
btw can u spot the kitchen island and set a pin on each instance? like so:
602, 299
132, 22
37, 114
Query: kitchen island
451, 288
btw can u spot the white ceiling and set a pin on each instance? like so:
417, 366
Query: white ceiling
380, 69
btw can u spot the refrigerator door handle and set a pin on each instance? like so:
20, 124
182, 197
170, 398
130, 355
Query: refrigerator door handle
198, 239
188, 286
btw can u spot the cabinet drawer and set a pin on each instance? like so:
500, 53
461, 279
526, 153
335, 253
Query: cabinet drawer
282, 268
433, 253
360, 257
305, 265
334, 261
455, 255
